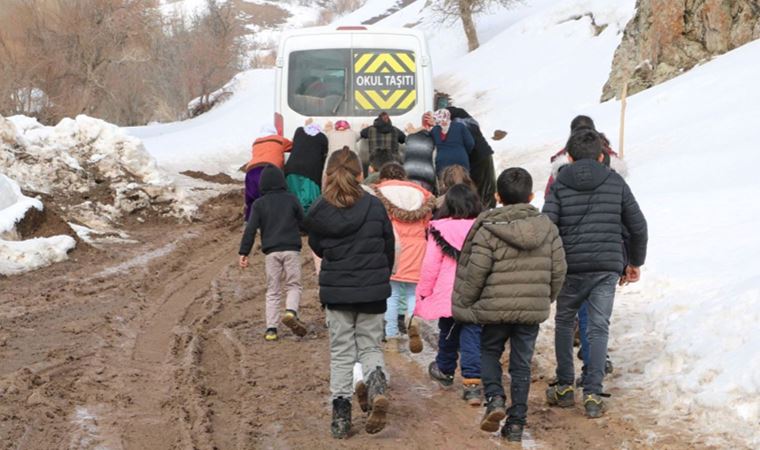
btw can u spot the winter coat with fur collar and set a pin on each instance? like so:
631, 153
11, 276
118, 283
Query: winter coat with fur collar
410, 208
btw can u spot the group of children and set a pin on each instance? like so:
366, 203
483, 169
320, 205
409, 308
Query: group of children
486, 275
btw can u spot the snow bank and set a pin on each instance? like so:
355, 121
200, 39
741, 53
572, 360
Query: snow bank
13, 205
96, 172
219, 140
22, 256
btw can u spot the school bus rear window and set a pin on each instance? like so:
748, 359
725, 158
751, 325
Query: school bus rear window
358, 82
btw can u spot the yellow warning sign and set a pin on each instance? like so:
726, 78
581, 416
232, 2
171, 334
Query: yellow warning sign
385, 80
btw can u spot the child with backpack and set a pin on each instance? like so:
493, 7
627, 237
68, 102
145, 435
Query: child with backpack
350, 230
511, 268
456, 340
279, 215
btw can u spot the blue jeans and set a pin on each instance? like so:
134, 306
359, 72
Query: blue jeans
400, 291
582, 331
597, 291
458, 340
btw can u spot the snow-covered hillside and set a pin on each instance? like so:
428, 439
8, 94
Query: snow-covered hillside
684, 336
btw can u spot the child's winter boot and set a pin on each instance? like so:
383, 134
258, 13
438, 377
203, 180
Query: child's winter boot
472, 392
562, 395
594, 406
291, 321
401, 324
415, 340
445, 380
495, 413
512, 432
271, 334
341, 419
362, 395
377, 400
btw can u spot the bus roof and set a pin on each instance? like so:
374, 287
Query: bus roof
358, 29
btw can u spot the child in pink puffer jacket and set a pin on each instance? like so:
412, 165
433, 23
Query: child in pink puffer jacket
445, 239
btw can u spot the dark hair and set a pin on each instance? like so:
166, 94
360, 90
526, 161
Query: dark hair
460, 203
384, 117
342, 189
380, 157
582, 122
585, 143
514, 186
454, 174
392, 171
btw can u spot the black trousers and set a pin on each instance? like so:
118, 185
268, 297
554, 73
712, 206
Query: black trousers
483, 174
522, 342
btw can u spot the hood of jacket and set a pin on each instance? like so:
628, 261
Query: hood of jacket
521, 226
405, 201
272, 180
327, 220
584, 175
382, 127
454, 231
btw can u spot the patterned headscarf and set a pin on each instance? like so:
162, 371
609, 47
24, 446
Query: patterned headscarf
312, 129
443, 119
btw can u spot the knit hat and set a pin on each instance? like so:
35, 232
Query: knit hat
312, 129
342, 125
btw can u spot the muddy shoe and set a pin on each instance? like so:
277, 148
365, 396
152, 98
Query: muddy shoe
495, 413
512, 432
594, 406
341, 419
608, 367
291, 321
472, 392
271, 334
378, 401
562, 395
415, 340
440, 377
401, 324
361, 396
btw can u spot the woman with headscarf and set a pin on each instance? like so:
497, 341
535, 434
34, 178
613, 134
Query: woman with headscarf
303, 171
340, 135
453, 142
481, 158
268, 149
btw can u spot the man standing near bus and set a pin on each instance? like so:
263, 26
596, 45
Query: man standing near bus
382, 135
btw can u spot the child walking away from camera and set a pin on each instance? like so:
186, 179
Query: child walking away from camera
593, 208
350, 230
410, 208
511, 268
455, 340
279, 215
269, 148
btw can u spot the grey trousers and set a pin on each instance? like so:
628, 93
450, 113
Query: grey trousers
597, 290
279, 265
353, 337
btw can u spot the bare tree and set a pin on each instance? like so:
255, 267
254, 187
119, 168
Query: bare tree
452, 10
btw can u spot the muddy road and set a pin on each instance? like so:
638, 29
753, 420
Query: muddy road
158, 345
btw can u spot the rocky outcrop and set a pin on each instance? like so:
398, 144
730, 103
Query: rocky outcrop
668, 37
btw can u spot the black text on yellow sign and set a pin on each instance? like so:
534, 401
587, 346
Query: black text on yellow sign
385, 80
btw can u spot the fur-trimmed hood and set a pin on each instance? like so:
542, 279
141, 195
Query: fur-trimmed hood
405, 201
